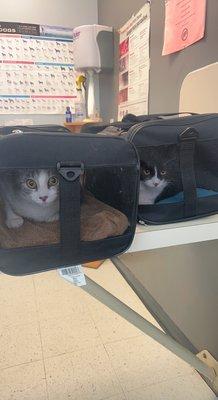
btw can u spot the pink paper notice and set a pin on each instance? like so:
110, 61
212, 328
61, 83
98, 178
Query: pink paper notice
184, 24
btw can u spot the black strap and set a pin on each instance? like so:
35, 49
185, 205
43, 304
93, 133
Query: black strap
70, 191
187, 149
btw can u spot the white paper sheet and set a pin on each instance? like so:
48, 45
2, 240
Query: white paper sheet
134, 64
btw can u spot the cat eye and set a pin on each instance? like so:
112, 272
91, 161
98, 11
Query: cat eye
53, 181
31, 184
163, 172
147, 171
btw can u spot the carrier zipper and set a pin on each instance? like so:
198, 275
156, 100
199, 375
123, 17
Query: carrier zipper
137, 127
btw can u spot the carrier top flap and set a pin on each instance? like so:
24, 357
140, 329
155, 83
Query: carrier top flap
30, 150
99, 127
163, 132
7, 130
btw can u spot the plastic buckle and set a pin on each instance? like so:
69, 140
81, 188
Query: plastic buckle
187, 139
70, 170
189, 134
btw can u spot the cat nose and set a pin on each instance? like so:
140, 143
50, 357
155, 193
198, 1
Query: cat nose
156, 184
43, 198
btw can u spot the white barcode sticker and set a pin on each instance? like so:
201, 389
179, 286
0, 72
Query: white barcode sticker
73, 274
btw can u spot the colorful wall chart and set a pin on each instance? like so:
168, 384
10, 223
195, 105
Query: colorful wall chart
37, 73
134, 64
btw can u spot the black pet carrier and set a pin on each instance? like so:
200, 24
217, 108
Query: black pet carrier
179, 165
182, 153
50, 212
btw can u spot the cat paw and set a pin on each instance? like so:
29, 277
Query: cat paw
15, 222
54, 218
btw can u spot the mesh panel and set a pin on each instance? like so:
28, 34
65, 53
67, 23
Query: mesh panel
114, 191
166, 202
31, 199
160, 176
206, 166
29, 210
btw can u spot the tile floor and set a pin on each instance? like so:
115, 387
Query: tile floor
58, 343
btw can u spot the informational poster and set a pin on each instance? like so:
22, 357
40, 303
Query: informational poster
184, 24
134, 64
37, 73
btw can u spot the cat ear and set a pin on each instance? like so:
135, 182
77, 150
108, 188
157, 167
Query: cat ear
143, 165
14, 174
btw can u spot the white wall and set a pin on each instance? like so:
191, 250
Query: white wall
67, 13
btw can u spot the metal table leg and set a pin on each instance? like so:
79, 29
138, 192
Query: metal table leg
149, 329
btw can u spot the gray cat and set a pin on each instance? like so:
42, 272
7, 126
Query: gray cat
31, 194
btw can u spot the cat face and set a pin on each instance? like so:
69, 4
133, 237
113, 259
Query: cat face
153, 176
39, 186
159, 166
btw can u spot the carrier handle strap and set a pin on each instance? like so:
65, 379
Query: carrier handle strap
70, 199
176, 113
187, 149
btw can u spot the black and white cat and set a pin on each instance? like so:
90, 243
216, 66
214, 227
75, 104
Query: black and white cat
152, 183
31, 194
157, 173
